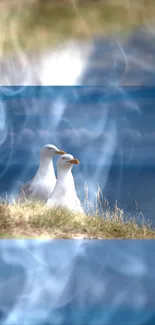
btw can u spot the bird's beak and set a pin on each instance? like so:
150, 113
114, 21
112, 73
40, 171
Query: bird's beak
74, 161
60, 152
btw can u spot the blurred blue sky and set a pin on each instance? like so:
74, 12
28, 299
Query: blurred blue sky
99, 124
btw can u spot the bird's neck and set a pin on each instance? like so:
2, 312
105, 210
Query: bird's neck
63, 173
65, 177
46, 166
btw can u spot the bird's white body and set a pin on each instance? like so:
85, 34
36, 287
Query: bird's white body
43, 183
64, 194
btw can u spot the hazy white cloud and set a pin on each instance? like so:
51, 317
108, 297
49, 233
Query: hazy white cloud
11, 134
127, 138
43, 134
149, 138
27, 133
131, 135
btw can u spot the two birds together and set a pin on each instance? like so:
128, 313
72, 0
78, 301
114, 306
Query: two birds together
46, 188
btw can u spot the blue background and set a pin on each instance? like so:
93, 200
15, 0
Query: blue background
77, 282
109, 128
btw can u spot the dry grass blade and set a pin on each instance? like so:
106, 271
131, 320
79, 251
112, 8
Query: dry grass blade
32, 220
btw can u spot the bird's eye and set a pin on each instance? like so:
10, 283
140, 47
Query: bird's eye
63, 158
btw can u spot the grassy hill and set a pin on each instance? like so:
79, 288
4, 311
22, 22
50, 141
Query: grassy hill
35, 221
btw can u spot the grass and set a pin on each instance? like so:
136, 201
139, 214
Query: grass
32, 220
31, 25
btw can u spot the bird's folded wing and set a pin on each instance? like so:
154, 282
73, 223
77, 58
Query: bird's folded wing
25, 191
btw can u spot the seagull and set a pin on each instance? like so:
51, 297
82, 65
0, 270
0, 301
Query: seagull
42, 184
64, 194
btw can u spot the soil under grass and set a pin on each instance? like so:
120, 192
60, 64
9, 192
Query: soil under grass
36, 221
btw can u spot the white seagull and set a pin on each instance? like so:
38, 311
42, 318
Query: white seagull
64, 194
42, 184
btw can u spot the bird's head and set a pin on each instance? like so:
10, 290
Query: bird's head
50, 151
66, 161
